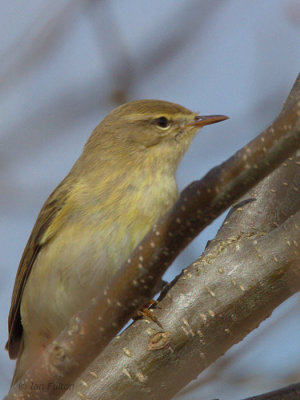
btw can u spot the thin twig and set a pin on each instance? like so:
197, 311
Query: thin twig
291, 392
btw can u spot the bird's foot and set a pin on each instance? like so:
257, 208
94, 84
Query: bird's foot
146, 312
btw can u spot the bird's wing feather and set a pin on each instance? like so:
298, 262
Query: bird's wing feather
37, 240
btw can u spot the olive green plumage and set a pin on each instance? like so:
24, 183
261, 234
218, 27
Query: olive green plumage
122, 183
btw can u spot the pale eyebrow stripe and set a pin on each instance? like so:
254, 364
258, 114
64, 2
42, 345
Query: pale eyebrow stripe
158, 115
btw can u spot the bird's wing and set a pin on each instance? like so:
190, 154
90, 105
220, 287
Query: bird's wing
50, 211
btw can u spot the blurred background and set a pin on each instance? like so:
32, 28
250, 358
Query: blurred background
65, 64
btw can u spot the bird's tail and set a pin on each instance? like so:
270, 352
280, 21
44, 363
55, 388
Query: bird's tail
19, 369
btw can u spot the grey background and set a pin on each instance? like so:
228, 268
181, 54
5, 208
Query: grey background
65, 64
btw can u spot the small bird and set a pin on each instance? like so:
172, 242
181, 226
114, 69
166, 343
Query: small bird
121, 184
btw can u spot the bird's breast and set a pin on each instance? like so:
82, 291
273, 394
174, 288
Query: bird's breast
91, 245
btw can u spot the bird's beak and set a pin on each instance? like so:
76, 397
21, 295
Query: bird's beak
200, 121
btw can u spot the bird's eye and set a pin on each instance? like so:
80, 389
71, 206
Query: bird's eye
162, 122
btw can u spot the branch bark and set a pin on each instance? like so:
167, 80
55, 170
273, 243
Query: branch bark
91, 330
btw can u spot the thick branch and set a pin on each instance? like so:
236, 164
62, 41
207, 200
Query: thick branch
90, 331
215, 304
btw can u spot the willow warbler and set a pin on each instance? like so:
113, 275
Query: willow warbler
122, 183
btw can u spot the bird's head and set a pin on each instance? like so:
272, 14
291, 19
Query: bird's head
156, 129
